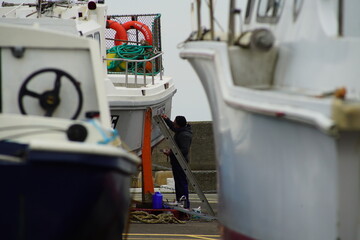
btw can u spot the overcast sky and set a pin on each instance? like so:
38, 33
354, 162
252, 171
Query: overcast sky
190, 99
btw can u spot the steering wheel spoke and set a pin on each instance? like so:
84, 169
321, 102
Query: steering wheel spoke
57, 84
27, 92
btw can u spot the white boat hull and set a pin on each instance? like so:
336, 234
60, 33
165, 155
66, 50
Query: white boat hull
288, 180
278, 178
129, 121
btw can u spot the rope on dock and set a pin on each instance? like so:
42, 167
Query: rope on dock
145, 217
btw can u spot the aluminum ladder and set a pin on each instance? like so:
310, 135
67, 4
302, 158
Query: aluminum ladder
185, 166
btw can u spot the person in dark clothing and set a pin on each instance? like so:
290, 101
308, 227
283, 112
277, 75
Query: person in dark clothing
183, 138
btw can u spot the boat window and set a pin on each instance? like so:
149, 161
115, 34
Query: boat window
269, 11
90, 36
297, 8
249, 10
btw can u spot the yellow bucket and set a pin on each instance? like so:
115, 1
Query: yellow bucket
109, 62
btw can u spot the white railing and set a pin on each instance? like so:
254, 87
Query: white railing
153, 72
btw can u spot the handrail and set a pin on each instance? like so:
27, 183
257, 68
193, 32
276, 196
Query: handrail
136, 61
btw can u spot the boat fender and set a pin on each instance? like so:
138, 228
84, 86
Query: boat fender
77, 133
120, 31
145, 30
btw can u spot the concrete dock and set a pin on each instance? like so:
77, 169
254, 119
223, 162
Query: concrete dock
191, 229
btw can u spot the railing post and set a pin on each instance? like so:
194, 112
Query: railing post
160, 68
231, 23
199, 32
152, 72
136, 68
39, 8
211, 8
341, 18
126, 74
144, 74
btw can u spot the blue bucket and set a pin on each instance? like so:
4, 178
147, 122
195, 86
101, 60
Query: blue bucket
157, 200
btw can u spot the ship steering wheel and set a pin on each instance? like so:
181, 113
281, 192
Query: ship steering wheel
50, 99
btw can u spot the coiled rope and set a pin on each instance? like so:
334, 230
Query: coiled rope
131, 52
145, 217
